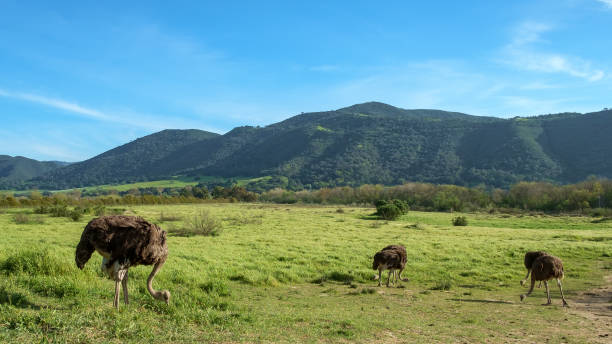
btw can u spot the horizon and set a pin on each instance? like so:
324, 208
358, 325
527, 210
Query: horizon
76, 81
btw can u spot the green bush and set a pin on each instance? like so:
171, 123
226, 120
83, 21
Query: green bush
42, 209
76, 215
391, 210
460, 221
59, 210
99, 210
201, 224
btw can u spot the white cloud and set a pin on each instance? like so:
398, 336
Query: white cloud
522, 54
607, 3
123, 116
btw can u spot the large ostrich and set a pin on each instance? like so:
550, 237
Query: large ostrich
390, 258
544, 269
124, 241
530, 257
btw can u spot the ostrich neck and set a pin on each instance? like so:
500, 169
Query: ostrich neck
156, 294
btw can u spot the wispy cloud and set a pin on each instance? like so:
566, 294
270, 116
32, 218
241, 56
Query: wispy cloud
607, 3
123, 116
521, 53
56, 103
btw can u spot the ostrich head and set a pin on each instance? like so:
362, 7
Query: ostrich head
165, 295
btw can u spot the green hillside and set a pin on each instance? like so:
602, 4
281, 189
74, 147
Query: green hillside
15, 170
132, 162
366, 143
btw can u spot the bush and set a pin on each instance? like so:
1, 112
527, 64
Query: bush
391, 210
99, 210
76, 215
59, 210
22, 218
42, 209
460, 221
201, 224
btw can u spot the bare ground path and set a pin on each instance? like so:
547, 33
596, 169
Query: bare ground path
596, 307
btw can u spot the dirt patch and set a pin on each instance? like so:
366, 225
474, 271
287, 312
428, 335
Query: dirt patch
596, 306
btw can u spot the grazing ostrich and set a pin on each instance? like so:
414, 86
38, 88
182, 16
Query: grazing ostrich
544, 269
124, 241
530, 257
388, 260
402, 252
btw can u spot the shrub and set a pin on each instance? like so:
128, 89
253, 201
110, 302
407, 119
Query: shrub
59, 210
42, 209
76, 215
99, 210
391, 210
460, 221
201, 224
22, 218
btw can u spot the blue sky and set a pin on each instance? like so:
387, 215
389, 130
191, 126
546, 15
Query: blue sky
79, 78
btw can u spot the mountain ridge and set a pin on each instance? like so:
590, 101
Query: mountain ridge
366, 143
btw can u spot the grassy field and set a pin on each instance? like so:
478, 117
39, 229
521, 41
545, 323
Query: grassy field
292, 273
177, 182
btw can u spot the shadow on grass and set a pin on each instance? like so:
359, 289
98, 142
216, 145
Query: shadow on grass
16, 299
484, 301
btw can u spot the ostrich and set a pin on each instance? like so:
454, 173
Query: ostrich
544, 269
388, 259
124, 241
530, 257
403, 254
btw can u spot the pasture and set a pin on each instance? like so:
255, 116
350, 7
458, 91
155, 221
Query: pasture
297, 273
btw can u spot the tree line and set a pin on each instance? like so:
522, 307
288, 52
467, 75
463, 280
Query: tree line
528, 196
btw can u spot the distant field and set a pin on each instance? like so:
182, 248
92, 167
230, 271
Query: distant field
178, 182
293, 273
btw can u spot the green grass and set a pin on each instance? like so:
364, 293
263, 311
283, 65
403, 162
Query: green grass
292, 273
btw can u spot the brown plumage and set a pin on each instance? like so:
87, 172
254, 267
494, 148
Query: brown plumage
124, 241
545, 268
392, 258
530, 257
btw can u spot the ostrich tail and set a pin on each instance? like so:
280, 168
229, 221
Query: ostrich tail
84, 250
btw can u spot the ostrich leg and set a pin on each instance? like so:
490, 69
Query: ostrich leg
389, 277
116, 301
561, 290
120, 273
125, 288
547, 293
379, 277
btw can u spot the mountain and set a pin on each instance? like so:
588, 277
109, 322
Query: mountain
368, 143
133, 161
15, 170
